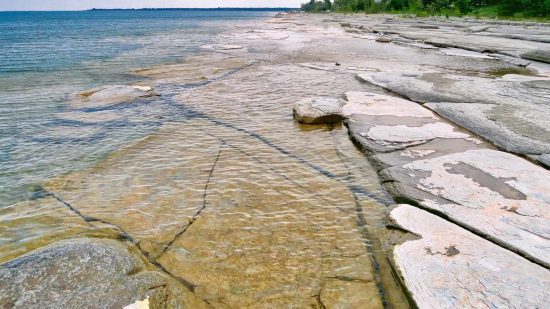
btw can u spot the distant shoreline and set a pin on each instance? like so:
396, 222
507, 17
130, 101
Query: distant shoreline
201, 9
267, 9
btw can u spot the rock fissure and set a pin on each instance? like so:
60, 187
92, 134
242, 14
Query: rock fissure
362, 226
126, 236
203, 207
315, 194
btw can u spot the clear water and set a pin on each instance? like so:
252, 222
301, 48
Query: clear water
47, 56
213, 180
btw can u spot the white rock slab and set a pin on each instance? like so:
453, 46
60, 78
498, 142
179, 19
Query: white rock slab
494, 193
373, 104
403, 133
465, 53
450, 267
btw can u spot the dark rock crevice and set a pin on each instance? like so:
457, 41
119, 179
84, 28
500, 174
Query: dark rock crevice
125, 236
203, 207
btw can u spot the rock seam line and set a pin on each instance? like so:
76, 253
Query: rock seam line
204, 203
125, 236
362, 227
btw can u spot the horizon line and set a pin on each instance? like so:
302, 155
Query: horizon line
167, 9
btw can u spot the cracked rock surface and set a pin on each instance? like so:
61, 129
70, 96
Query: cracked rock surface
501, 198
508, 112
449, 267
231, 203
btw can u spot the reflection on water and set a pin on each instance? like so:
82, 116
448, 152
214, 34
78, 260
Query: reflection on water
229, 193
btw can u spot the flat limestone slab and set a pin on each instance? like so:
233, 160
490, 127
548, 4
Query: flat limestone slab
490, 192
439, 87
382, 123
195, 69
513, 128
149, 189
432, 149
109, 95
449, 267
508, 111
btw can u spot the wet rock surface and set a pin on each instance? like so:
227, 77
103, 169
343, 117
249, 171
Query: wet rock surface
318, 110
87, 273
232, 203
195, 69
105, 96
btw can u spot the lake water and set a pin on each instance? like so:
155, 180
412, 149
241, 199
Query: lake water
213, 179
47, 56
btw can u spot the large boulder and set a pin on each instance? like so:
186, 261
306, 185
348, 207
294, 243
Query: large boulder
319, 110
87, 273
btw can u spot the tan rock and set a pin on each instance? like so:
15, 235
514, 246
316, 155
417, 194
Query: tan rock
32, 224
195, 69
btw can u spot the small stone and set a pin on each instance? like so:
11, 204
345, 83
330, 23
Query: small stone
384, 39
319, 110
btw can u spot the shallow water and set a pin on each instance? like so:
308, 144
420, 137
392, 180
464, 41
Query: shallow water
45, 57
213, 180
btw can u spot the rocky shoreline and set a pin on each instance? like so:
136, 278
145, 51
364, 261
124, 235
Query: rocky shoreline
228, 209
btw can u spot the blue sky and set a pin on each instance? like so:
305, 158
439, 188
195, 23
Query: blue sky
39, 5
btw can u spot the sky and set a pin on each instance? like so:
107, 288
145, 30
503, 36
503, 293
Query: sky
48, 5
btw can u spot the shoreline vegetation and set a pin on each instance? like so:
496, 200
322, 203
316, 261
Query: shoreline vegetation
536, 10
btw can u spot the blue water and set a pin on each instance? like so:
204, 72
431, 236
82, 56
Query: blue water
47, 56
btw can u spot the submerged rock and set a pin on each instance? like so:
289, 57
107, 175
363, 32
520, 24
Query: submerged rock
110, 95
318, 110
195, 69
445, 266
86, 273
221, 46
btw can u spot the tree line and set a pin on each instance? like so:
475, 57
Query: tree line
481, 8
